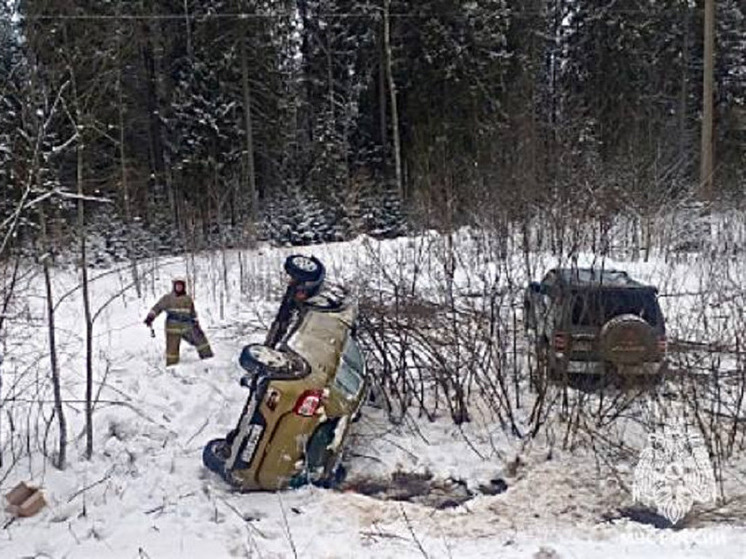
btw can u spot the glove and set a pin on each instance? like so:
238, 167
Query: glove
148, 321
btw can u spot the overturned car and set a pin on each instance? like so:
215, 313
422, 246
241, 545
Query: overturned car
306, 384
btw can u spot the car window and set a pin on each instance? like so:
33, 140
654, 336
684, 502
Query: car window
594, 308
349, 375
353, 356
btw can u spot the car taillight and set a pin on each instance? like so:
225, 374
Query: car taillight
662, 345
560, 341
308, 403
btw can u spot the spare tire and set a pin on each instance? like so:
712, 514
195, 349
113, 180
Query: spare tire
628, 340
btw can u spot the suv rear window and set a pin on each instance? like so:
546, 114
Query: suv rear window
594, 308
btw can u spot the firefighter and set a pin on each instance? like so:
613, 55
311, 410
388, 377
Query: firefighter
181, 322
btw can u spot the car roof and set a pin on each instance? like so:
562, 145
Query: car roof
597, 278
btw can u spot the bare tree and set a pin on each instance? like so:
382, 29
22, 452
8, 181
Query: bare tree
45, 260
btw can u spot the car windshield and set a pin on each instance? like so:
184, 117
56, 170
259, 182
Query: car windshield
595, 308
351, 368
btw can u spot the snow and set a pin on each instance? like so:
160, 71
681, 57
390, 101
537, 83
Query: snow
145, 492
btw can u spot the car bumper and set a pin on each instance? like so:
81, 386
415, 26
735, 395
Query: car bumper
599, 367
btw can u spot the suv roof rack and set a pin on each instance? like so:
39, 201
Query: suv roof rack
593, 277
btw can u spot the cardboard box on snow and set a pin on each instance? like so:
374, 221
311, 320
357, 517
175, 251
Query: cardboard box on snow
24, 500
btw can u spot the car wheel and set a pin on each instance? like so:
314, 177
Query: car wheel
261, 359
214, 455
304, 268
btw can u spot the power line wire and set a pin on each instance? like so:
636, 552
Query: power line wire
278, 15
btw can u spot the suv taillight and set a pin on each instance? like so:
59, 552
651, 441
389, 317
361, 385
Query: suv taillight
308, 403
560, 341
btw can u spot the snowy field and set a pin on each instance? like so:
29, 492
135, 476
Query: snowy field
145, 493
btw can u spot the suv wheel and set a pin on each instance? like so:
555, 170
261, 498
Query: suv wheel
304, 268
261, 359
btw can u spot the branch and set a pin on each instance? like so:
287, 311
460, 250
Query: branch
63, 146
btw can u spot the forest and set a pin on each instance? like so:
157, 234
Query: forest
166, 126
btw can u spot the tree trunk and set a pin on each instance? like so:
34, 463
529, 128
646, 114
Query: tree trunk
58, 409
79, 150
706, 170
382, 101
330, 75
123, 165
156, 147
392, 94
7, 298
87, 312
684, 91
249, 167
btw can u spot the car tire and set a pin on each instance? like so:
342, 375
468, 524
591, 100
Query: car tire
627, 339
262, 359
304, 268
213, 456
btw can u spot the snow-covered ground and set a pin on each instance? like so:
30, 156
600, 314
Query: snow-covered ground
145, 493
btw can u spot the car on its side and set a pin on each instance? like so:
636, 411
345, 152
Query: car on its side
306, 384
589, 323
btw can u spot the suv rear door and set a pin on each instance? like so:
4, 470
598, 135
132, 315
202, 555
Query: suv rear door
589, 309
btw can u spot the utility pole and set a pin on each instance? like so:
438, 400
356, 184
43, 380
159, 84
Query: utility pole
706, 169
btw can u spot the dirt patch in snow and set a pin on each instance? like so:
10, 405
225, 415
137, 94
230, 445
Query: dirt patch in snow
421, 488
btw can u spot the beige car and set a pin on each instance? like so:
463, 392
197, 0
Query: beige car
306, 383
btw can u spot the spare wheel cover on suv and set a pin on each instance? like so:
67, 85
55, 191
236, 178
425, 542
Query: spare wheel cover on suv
628, 340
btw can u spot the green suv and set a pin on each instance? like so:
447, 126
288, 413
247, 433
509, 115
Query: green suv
593, 323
